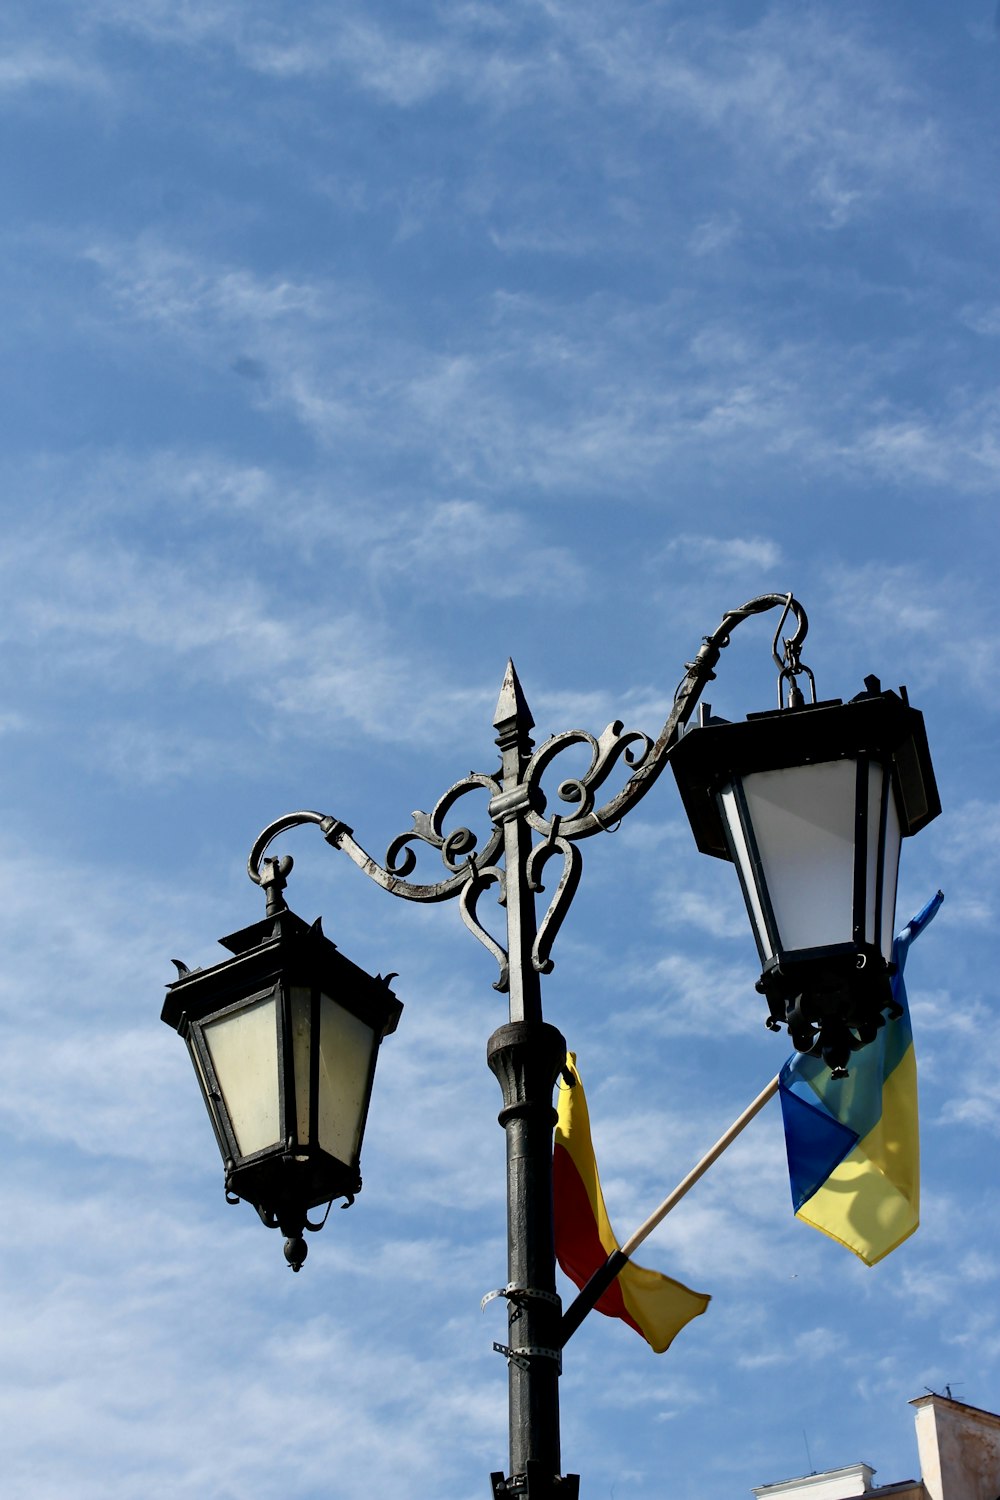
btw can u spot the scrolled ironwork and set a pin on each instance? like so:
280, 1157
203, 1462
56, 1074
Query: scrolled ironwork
516, 795
559, 905
481, 878
271, 832
454, 847
614, 744
697, 675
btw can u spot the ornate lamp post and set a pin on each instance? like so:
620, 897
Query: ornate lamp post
862, 772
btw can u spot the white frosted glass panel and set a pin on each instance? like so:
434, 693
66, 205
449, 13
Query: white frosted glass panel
301, 1008
893, 839
345, 1059
876, 777
731, 814
803, 819
244, 1050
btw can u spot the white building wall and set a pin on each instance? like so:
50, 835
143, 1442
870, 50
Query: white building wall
959, 1449
835, 1484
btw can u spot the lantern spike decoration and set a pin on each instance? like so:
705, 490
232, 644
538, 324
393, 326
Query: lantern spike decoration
811, 802
284, 1037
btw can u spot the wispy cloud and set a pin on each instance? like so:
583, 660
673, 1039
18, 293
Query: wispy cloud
703, 911
914, 610
817, 97
961, 448
115, 608
536, 393
26, 69
752, 557
116, 614
682, 983
982, 318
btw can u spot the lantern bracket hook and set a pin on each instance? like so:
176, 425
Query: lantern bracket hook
789, 663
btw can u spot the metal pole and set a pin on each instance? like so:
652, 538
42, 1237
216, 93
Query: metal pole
526, 1056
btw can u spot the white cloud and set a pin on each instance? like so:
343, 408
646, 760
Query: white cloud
749, 556
118, 615
24, 69
804, 105
908, 608
960, 448
174, 290
809, 101
718, 232
538, 393
703, 911
972, 837
471, 548
982, 318
805, 1347
683, 983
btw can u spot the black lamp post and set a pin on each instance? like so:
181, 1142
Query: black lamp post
810, 803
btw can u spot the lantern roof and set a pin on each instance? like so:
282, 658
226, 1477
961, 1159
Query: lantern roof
881, 724
278, 946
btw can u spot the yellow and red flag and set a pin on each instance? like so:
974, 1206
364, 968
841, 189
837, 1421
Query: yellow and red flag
655, 1306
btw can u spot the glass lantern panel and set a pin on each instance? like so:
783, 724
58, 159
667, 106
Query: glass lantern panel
243, 1046
890, 872
803, 820
877, 789
301, 1019
346, 1053
730, 812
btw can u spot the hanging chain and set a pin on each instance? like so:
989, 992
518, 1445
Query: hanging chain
790, 666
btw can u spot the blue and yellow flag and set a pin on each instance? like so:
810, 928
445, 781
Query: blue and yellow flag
853, 1143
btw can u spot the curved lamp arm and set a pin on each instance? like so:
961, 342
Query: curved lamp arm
697, 675
515, 796
341, 837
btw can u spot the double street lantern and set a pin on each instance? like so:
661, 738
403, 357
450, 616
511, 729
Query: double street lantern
284, 1037
811, 804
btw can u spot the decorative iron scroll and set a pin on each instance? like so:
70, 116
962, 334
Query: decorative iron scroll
471, 869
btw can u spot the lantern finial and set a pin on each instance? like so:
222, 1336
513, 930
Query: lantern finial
296, 1251
274, 877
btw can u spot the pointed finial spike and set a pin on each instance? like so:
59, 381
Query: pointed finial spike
512, 705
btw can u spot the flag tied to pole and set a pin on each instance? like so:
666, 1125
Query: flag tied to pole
853, 1143
655, 1306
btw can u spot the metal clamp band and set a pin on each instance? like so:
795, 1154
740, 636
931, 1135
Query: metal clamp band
522, 1357
514, 1293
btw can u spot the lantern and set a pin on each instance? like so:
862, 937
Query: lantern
284, 1037
811, 804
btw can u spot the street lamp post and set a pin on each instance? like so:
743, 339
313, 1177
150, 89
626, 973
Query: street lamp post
285, 1035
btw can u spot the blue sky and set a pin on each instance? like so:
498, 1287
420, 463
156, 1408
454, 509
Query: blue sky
349, 350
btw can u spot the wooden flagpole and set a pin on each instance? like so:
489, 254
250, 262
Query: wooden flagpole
602, 1278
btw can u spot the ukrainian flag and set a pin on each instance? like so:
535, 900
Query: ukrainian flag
853, 1143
